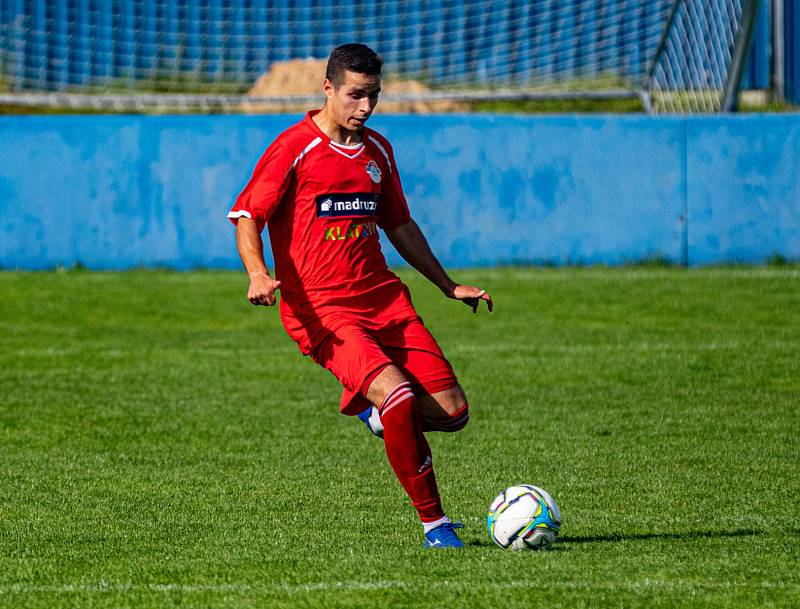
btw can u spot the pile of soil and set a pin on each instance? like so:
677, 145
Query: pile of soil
304, 77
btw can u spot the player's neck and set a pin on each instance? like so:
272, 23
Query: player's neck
337, 134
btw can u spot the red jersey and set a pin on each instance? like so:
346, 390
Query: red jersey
323, 203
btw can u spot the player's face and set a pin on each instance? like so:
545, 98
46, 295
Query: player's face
353, 101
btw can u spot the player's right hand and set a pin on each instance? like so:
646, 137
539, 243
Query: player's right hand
262, 290
472, 296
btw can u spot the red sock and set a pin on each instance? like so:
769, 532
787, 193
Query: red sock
409, 453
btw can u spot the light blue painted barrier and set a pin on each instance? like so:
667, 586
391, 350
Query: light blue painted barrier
123, 191
743, 192
557, 190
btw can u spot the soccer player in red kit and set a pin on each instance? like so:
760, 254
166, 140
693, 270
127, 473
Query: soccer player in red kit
324, 187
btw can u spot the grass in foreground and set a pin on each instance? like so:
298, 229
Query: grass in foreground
164, 444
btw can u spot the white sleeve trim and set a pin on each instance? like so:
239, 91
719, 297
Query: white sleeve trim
246, 214
382, 149
239, 214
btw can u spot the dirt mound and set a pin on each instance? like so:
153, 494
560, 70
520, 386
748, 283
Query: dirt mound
304, 77
294, 77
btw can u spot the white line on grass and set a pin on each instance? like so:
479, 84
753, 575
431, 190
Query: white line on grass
603, 273
106, 587
646, 584
640, 347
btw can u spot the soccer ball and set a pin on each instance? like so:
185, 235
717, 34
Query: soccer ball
523, 516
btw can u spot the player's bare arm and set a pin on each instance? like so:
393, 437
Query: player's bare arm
251, 250
414, 248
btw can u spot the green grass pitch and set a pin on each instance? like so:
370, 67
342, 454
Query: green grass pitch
164, 444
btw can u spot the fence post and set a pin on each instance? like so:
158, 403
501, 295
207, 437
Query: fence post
741, 47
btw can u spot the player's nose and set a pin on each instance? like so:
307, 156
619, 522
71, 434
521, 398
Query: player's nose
367, 104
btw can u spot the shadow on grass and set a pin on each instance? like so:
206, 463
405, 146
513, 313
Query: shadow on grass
617, 537
686, 535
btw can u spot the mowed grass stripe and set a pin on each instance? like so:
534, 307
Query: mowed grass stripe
164, 444
671, 586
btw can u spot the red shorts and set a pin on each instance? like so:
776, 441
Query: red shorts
353, 354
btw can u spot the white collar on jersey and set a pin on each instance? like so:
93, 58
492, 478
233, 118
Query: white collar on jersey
346, 147
349, 152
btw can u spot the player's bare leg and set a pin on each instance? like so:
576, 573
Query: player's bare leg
442, 403
446, 410
409, 453
389, 378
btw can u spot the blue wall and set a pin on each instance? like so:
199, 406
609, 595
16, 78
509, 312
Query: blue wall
121, 191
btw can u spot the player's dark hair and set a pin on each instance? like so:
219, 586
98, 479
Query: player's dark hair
358, 58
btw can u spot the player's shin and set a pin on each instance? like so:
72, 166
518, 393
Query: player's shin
409, 453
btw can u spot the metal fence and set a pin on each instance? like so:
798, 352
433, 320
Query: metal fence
63, 45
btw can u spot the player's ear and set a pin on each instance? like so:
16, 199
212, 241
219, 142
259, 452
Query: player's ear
328, 88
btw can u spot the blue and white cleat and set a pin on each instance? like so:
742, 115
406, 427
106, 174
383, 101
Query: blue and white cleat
444, 536
372, 420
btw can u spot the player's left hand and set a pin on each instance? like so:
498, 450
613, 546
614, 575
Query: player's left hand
472, 296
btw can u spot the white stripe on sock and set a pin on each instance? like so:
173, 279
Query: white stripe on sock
395, 400
402, 391
396, 389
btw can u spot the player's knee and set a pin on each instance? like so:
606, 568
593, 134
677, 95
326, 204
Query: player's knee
450, 423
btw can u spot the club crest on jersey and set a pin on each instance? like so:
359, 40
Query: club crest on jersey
374, 172
337, 205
